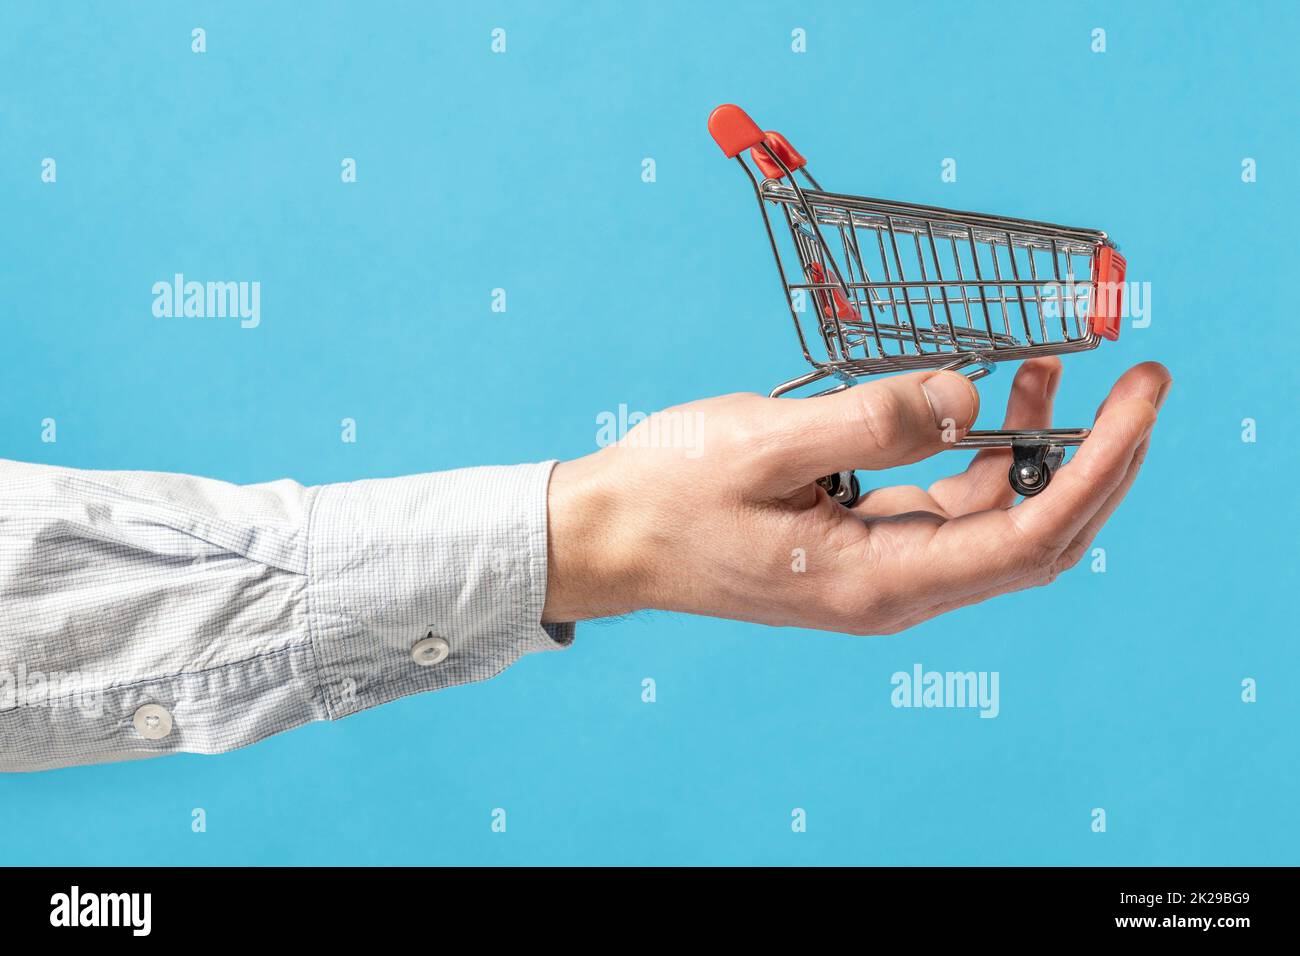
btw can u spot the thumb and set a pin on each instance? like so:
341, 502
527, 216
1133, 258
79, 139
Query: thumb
879, 424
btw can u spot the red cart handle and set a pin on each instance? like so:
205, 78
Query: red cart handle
733, 130
781, 146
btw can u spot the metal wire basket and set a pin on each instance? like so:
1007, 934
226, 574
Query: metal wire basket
877, 286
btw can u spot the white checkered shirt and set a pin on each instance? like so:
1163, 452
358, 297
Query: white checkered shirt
242, 611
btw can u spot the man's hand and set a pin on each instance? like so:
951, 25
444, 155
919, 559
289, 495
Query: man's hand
710, 507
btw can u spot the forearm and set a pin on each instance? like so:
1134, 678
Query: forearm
244, 611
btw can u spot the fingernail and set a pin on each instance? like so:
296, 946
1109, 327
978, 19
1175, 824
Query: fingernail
1162, 394
952, 399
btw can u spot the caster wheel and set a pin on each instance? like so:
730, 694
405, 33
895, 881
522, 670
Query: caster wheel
855, 490
1028, 479
842, 487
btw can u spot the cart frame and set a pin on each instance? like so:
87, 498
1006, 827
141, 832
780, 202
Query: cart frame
968, 319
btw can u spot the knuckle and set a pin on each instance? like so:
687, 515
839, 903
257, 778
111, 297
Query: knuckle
884, 417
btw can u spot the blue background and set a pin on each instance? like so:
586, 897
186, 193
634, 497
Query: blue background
1119, 690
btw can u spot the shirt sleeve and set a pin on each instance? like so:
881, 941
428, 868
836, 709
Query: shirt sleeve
145, 613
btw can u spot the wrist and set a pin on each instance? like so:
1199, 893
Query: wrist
592, 566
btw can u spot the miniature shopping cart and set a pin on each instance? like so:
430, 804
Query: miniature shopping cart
880, 286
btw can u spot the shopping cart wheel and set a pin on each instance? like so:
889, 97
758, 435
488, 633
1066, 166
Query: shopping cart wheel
1029, 480
855, 491
1033, 465
842, 487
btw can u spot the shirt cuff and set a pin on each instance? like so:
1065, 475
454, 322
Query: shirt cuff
453, 561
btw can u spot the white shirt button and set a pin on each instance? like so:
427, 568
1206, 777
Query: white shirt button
432, 650
153, 722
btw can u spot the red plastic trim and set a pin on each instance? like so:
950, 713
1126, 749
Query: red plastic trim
1108, 270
